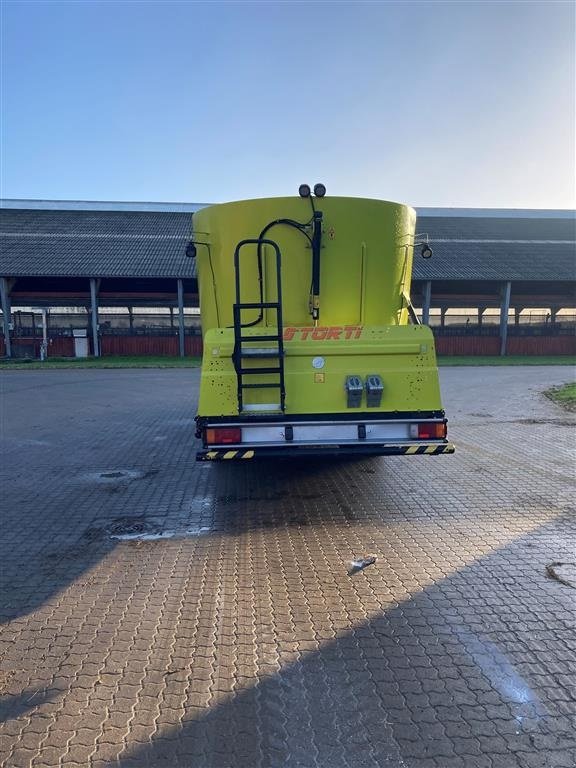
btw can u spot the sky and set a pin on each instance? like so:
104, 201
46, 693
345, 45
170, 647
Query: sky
429, 103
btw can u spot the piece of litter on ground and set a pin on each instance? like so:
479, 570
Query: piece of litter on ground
361, 563
565, 573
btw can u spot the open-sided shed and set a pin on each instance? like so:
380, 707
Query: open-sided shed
87, 254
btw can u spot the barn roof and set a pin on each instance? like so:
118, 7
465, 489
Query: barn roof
468, 244
95, 243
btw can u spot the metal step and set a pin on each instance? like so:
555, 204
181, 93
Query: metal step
262, 408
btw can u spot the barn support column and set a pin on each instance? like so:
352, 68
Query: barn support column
517, 312
504, 309
443, 311
480, 316
44, 347
94, 288
553, 313
426, 303
181, 317
5, 296
130, 317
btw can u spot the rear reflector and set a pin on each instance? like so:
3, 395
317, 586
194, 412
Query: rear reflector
429, 430
222, 435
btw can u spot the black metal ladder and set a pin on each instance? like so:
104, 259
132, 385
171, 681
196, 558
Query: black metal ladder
243, 351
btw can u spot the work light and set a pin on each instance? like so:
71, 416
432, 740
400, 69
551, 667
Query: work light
426, 251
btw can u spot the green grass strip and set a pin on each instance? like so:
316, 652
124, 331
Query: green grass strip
140, 361
159, 361
508, 360
564, 396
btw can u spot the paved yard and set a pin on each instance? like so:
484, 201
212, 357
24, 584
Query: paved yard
245, 643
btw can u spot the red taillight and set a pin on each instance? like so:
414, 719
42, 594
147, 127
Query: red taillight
432, 431
219, 435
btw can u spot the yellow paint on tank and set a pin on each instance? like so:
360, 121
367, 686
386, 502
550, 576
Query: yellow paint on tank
366, 260
362, 330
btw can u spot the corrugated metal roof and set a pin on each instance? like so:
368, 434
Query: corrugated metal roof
498, 228
143, 205
100, 205
497, 213
146, 243
95, 243
531, 261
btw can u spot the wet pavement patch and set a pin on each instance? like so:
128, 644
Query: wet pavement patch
130, 526
158, 535
139, 528
115, 476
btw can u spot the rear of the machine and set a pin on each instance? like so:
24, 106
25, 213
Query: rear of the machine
308, 348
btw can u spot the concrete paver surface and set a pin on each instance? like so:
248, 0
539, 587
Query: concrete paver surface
243, 640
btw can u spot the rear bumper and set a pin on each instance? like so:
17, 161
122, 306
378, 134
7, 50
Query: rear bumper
292, 451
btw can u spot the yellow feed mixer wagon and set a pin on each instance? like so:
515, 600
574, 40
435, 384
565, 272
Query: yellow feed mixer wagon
311, 345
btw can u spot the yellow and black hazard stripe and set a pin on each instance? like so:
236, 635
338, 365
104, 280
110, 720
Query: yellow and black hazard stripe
430, 450
233, 454
402, 449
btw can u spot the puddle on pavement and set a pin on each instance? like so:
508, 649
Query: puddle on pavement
107, 476
176, 533
195, 519
132, 526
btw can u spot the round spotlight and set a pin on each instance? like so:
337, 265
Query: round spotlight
191, 250
304, 190
319, 190
426, 251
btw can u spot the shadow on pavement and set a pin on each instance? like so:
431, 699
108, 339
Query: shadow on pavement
14, 706
450, 677
41, 556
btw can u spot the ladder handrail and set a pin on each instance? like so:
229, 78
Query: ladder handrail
277, 305
254, 241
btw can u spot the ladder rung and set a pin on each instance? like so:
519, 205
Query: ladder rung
260, 386
258, 305
250, 371
260, 338
260, 352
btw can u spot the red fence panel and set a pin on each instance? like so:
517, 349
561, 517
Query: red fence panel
467, 345
516, 345
541, 345
165, 346
60, 346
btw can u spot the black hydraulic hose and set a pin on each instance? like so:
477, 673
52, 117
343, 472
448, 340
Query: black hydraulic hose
316, 246
290, 223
